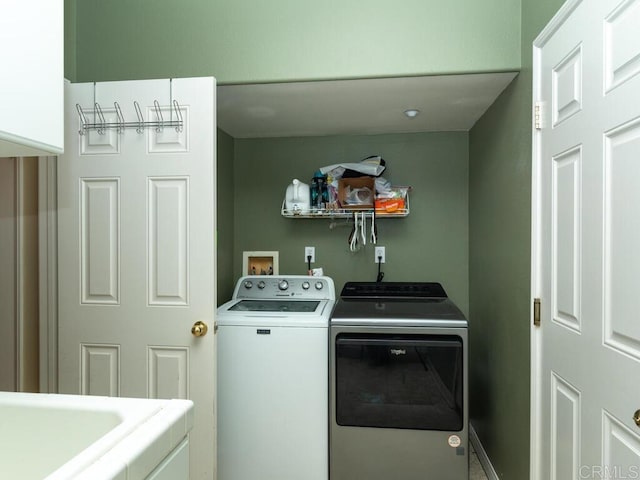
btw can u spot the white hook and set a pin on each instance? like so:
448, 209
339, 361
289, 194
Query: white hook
355, 233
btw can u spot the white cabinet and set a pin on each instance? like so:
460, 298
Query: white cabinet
31, 77
175, 466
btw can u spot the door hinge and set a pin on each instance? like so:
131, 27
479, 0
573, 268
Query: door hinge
536, 312
537, 116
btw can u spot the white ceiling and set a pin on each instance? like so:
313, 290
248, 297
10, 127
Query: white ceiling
350, 107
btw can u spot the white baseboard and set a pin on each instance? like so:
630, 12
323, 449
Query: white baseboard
482, 454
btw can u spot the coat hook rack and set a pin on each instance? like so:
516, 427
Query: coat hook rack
100, 124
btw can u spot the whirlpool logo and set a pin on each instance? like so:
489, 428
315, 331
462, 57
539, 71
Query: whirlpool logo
398, 351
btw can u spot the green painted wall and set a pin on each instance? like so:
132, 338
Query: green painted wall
431, 244
224, 219
499, 266
70, 39
250, 41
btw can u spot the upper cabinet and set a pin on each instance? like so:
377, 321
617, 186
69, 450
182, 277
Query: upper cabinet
31, 77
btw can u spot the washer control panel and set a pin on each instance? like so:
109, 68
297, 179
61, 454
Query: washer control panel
284, 286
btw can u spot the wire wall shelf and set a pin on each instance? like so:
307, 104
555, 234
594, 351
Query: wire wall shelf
344, 212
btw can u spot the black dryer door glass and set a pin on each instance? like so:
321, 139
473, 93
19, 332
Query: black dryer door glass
399, 381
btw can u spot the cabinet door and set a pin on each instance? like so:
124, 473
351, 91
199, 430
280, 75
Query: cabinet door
175, 466
31, 77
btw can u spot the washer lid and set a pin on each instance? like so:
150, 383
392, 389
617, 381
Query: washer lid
275, 313
285, 306
400, 309
396, 301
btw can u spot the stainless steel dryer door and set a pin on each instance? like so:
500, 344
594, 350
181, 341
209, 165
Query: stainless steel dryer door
398, 401
409, 381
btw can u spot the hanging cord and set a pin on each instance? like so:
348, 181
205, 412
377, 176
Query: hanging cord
309, 264
354, 241
374, 228
380, 273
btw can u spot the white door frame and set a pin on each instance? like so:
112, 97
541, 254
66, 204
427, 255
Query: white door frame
13, 368
536, 440
48, 273
22, 367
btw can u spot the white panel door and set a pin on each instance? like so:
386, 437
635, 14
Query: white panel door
587, 179
136, 251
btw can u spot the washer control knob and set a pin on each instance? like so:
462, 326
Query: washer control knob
248, 284
261, 284
283, 285
305, 285
319, 285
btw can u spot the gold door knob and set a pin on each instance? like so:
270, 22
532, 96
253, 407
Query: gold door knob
199, 329
636, 417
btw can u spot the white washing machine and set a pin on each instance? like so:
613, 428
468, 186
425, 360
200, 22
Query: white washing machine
272, 351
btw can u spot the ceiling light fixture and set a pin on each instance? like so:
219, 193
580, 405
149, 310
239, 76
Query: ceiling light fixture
412, 112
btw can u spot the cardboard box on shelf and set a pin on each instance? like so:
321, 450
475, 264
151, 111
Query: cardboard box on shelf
356, 193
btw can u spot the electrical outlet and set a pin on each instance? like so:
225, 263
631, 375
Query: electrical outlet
309, 252
379, 255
